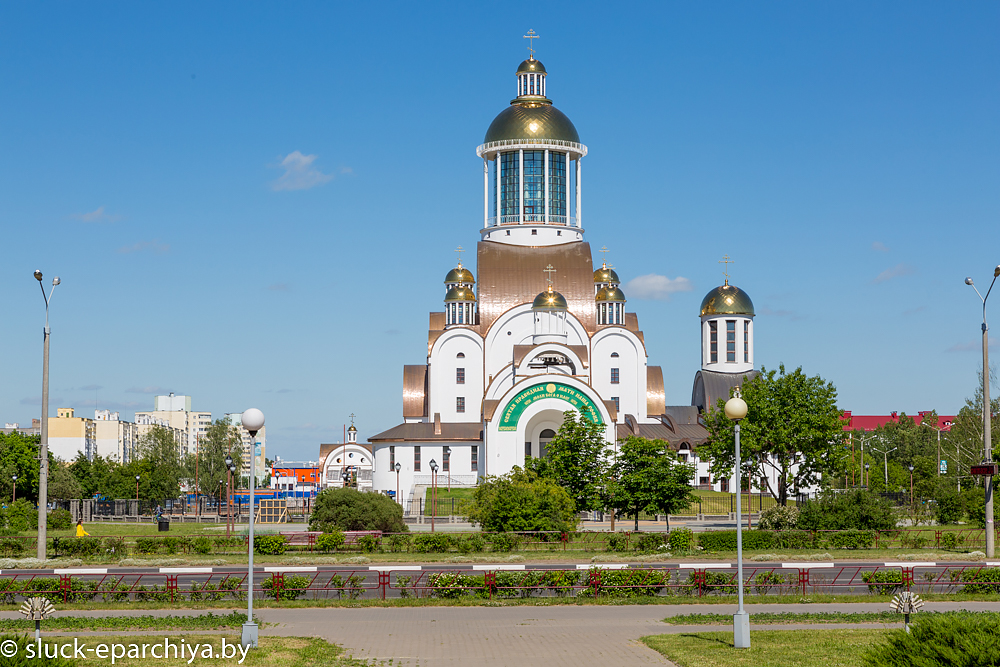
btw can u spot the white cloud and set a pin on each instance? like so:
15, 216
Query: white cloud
154, 246
879, 246
894, 272
300, 174
971, 346
656, 287
97, 215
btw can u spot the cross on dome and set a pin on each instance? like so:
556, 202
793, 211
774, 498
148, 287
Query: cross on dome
549, 270
725, 260
530, 36
459, 250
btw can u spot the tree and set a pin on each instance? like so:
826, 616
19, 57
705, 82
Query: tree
350, 509
221, 438
159, 448
648, 477
577, 459
792, 428
62, 483
859, 509
966, 436
521, 501
19, 456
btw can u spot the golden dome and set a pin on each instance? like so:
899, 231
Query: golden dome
460, 274
531, 65
460, 294
549, 300
610, 294
531, 121
352, 429
606, 275
727, 300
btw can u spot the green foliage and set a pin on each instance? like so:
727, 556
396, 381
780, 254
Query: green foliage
950, 540
425, 543
59, 519
504, 542
617, 542
792, 427
949, 508
793, 539
650, 543
399, 542
350, 509
521, 501
764, 581
648, 478
270, 545
576, 458
369, 543
21, 657
328, 542
966, 640
624, 583
858, 509
976, 508
453, 585
352, 587
717, 540
681, 539
62, 484
81, 547
12, 547
471, 544
22, 516
202, 545
883, 582
19, 456
779, 517
853, 539
220, 438
291, 587
981, 580
146, 545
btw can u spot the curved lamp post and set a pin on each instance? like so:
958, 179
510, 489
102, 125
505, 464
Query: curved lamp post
397, 468
987, 436
911, 487
137, 495
253, 421
43, 445
13, 493
736, 410
229, 492
447, 458
434, 494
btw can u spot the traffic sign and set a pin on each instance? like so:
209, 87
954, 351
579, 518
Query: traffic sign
943, 467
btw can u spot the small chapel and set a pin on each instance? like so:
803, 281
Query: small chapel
538, 329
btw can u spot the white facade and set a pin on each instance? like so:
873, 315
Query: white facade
175, 412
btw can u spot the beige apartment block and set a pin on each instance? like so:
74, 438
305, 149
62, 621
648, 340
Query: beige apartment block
145, 422
175, 412
116, 439
70, 435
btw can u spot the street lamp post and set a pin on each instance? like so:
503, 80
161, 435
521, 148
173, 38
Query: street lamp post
447, 453
911, 488
229, 492
868, 474
137, 495
253, 421
736, 410
13, 493
43, 445
434, 495
218, 508
397, 468
987, 437
344, 475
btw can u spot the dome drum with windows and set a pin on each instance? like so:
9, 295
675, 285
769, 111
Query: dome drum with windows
531, 160
459, 300
727, 330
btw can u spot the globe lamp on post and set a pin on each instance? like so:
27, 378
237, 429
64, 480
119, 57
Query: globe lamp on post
447, 458
434, 469
229, 493
736, 410
13, 493
43, 443
987, 436
397, 468
253, 422
911, 488
137, 495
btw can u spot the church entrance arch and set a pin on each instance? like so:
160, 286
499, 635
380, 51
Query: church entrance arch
573, 397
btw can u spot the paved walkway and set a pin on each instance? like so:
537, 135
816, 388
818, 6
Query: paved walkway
548, 636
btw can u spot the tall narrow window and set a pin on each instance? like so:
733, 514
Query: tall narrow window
746, 341
614, 376
527, 449
460, 404
416, 458
730, 340
713, 341
475, 458
446, 460
392, 458
459, 376
617, 401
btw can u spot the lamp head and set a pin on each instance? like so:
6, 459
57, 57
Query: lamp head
55, 281
447, 450
14, 477
398, 467
736, 407
911, 468
968, 281
996, 271
229, 461
434, 465
253, 420
38, 275
137, 478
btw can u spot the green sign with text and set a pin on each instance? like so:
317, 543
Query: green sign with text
574, 397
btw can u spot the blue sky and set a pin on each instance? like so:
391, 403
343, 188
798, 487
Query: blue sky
256, 204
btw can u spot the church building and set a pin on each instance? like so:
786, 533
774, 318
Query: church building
538, 329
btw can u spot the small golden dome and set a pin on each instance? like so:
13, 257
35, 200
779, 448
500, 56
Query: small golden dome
352, 429
460, 294
531, 66
610, 294
727, 300
550, 300
606, 275
460, 274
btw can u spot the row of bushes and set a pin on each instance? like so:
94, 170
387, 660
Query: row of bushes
116, 590
422, 543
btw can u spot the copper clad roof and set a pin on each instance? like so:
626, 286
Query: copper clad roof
424, 431
710, 386
414, 391
654, 391
512, 275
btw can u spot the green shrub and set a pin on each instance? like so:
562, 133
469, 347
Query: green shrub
617, 542
81, 547
949, 508
853, 539
779, 517
758, 540
883, 582
292, 586
9, 588
202, 545
328, 542
717, 540
452, 585
764, 581
399, 542
59, 519
169, 544
625, 583
353, 586
270, 545
22, 516
43, 587
426, 543
650, 543
370, 543
147, 545
681, 539
860, 509
981, 580
350, 509
521, 501
960, 640
471, 544
21, 658
720, 582
504, 542
793, 539
949, 540
11, 546
403, 584
914, 539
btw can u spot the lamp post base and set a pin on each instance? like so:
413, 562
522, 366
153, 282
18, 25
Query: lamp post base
741, 630
249, 636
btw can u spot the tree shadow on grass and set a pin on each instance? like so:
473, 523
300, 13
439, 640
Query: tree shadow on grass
710, 640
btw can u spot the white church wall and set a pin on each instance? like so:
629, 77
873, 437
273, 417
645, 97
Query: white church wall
631, 365
514, 327
443, 378
384, 475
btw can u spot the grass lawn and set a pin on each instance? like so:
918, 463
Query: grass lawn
272, 651
768, 648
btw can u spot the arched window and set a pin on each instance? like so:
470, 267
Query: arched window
614, 355
460, 355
